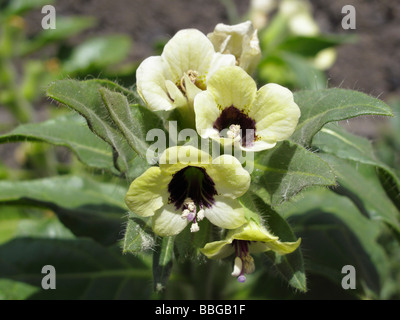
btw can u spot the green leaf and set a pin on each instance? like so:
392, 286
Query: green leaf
84, 269
70, 131
87, 207
66, 27
290, 266
305, 74
133, 121
361, 184
84, 97
162, 262
138, 235
337, 141
188, 243
282, 172
18, 7
334, 234
98, 53
14, 290
309, 46
318, 107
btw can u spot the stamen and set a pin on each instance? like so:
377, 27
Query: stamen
200, 215
237, 267
185, 213
244, 262
234, 131
230, 118
194, 227
248, 264
192, 75
191, 216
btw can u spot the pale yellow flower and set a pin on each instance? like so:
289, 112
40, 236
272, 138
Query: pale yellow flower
187, 187
173, 79
249, 238
233, 111
241, 40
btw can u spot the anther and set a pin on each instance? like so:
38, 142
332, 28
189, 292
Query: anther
234, 131
237, 267
200, 215
194, 227
192, 75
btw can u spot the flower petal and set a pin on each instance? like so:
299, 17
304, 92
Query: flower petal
232, 86
230, 178
258, 146
207, 112
188, 50
276, 245
262, 240
148, 192
220, 60
150, 79
218, 249
225, 213
175, 94
176, 158
252, 231
275, 112
168, 222
241, 40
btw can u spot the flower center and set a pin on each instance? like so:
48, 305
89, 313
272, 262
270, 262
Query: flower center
244, 262
234, 123
194, 77
191, 190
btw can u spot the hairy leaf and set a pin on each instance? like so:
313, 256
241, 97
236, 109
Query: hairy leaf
70, 131
282, 172
318, 107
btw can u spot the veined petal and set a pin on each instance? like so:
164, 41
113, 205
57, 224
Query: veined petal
230, 178
148, 192
218, 249
253, 232
220, 60
232, 86
191, 90
168, 222
262, 240
241, 40
178, 100
207, 112
275, 112
225, 213
257, 237
150, 79
176, 158
189, 49
258, 146
276, 245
